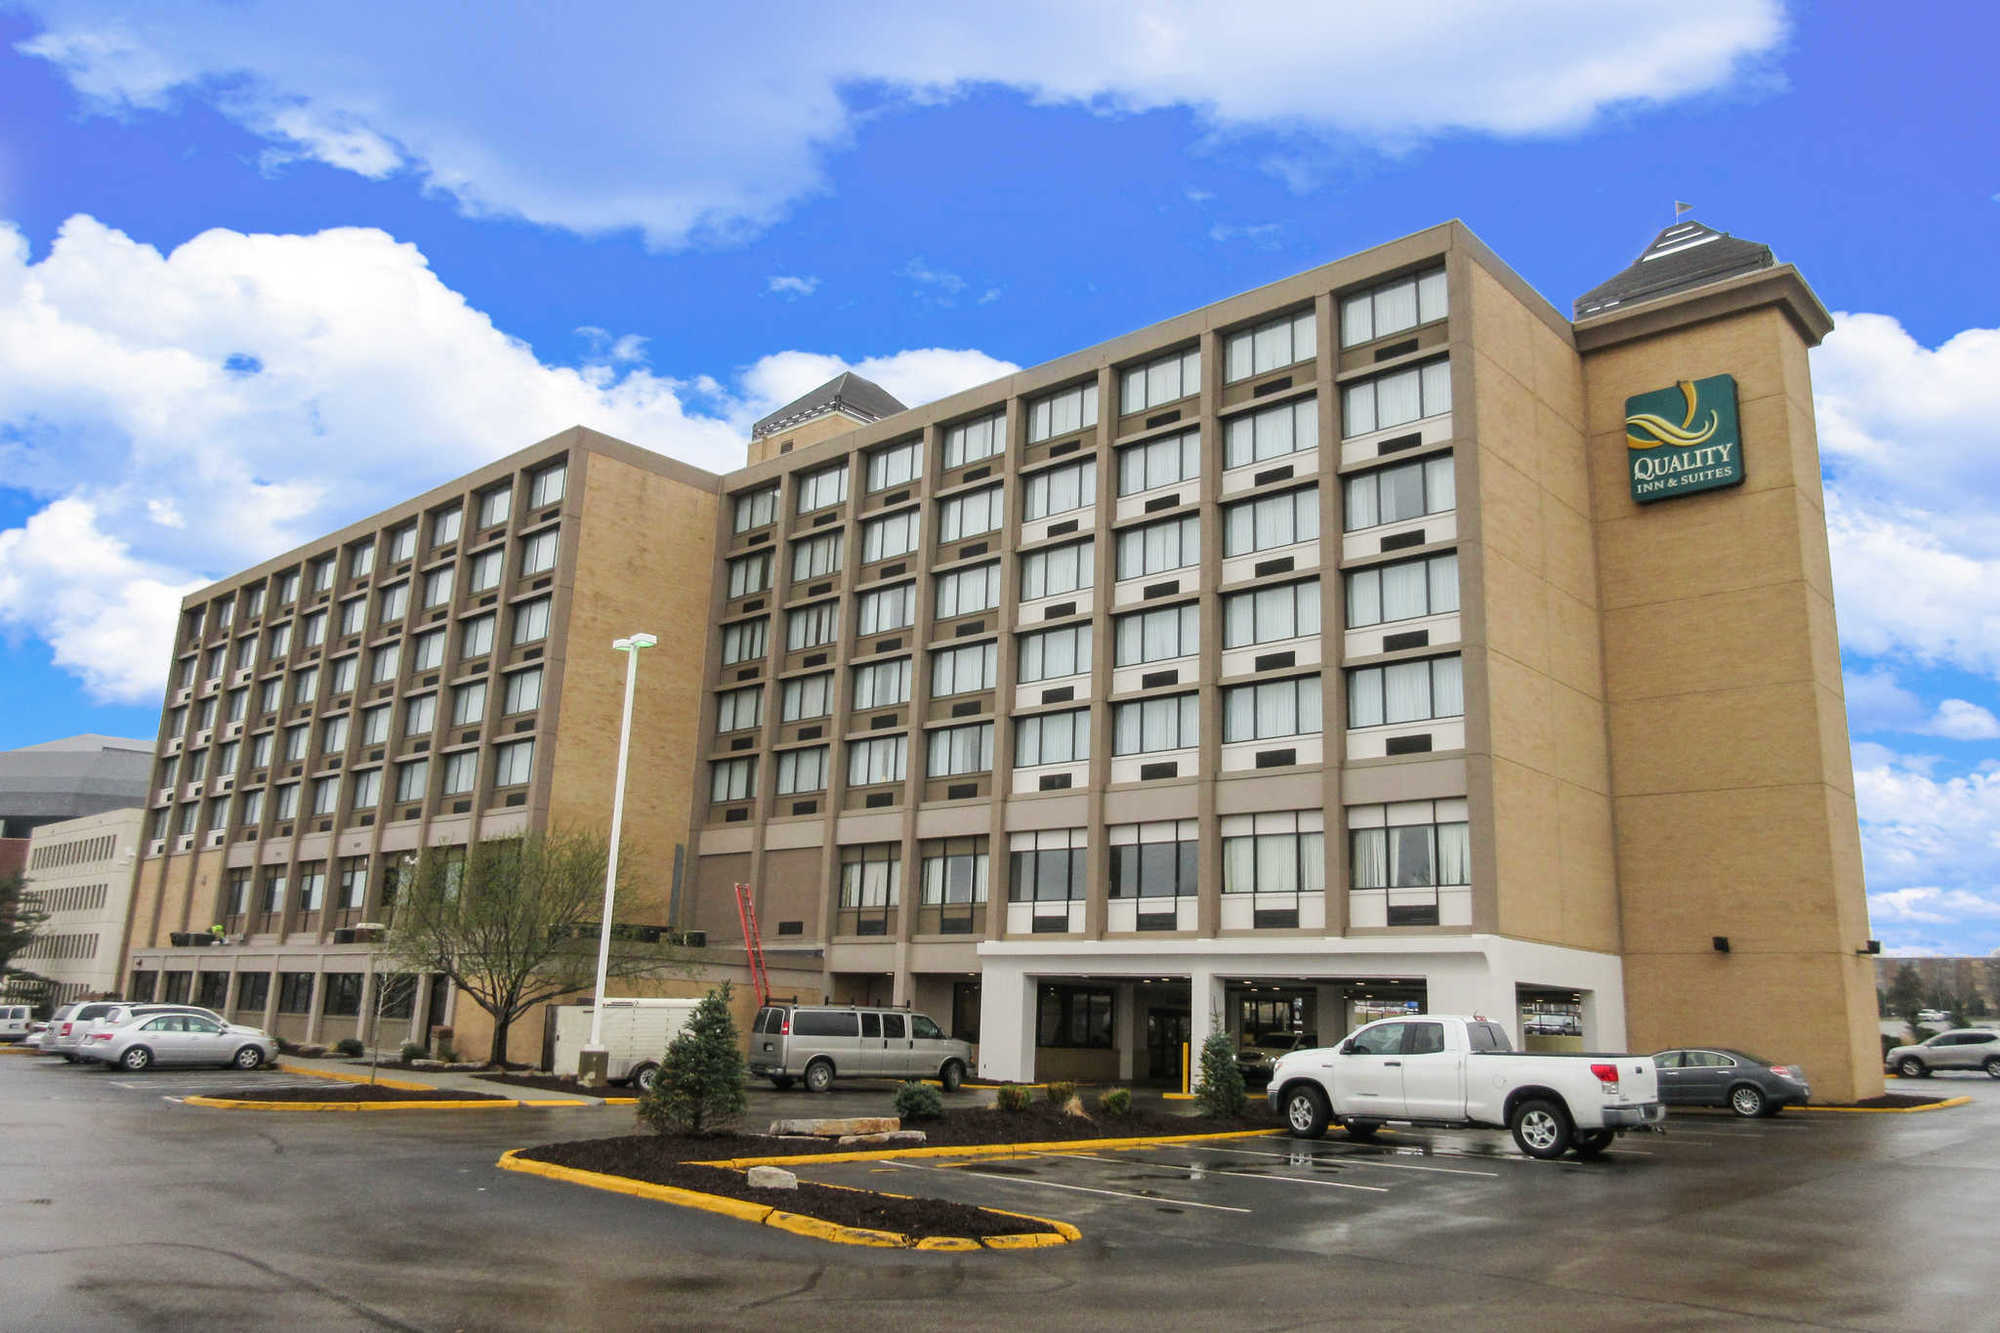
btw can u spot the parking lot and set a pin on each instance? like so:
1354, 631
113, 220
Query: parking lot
122, 1207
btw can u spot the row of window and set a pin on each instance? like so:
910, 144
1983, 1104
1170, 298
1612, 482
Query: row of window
70, 898
75, 852
341, 994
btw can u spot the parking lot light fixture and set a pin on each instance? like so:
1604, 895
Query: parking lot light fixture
594, 1063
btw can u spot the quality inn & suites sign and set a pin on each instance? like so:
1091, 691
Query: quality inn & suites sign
1684, 439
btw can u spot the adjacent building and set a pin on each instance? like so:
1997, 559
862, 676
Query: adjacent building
79, 872
58, 780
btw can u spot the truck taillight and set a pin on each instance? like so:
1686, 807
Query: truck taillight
785, 1026
1607, 1075
65, 1030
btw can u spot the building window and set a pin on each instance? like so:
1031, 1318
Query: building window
322, 574
524, 690
531, 621
1276, 852
1157, 636
731, 779
273, 901
295, 992
468, 704
374, 726
315, 629
353, 615
1048, 866
1060, 413
384, 662
1146, 726
1157, 548
1405, 692
1273, 346
801, 770
445, 525
756, 509
1058, 490
1402, 591
1396, 399
427, 651
513, 763
1412, 845
538, 552
1052, 738
546, 486
246, 651
403, 544
305, 685
749, 574
253, 992
805, 697
817, 490
420, 715
1058, 570
871, 881
970, 441
1155, 860
954, 881
892, 535
739, 710
1271, 522
250, 809
964, 670
361, 560
1165, 380
1162, 462
312, 886
885, 609
880, 684
288, 587
816, 557
1267, 615
483, 575
346, 670
412, 779
1392, 494
1272, 709
964, 591
807, 627
367, 790
495, 505
968, 515
437, 586
461, 771
955, 751
1392, 307
477, 637
343, 994
873, 762
895, 465
1073, 1018
1254, 437
1053, 653
333, 735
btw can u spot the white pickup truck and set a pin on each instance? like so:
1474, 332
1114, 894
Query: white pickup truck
1440, 1069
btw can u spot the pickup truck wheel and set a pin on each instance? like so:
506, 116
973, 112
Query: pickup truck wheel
1541, 1128
1591, 1143
1306, 1112
819, 1075
645, 1076
1747, 1101
1362, 1131
1911, 1067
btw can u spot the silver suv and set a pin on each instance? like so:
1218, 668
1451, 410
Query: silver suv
817, 1042
1966, 1048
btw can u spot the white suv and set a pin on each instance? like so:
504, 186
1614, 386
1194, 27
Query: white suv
1965, 1048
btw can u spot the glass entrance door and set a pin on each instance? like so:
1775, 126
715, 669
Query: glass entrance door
1166, 1032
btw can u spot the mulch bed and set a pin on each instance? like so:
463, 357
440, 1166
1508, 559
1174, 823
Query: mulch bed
661, 1162
1891, 1099
355, 1092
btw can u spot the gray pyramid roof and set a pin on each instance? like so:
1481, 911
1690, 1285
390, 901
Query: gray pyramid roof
846, 393
1687, 254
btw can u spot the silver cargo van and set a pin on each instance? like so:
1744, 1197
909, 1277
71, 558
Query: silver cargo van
819, 1042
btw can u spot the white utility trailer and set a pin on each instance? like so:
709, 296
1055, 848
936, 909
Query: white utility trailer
636, 1033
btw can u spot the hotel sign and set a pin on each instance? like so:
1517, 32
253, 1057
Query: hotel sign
1684, 439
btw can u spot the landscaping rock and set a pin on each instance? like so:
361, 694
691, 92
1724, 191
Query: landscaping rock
833, 1128
772, 1178
895, 1138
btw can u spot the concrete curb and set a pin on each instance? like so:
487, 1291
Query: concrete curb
400, 1085
798, 1225
1888, 1110
236, 1104
982, 1149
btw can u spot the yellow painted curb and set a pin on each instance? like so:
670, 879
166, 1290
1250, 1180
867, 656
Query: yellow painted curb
399, 1085
236, 1104
619, 1101
1889, 1110
797, 1224
533, 1104
981, 1149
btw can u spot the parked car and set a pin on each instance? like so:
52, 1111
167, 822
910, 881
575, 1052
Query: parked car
1933, 1016
819, 1042
65, 1026
86, 1026
1964, 1048
1456, 1072
179, 1039
1256, 1058
14, 1020
37, 1030
1718, 1076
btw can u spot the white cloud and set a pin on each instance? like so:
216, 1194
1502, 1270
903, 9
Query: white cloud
180, 416
792, 287
1962, 720
1930, 906
943, 284
741, 125
1261, 234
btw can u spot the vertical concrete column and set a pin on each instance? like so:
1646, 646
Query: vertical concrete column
318, 1004
1125, 1028
370, 980
271, 1000
1471, 984
1006, 1023
1205, 1009
1329, 1014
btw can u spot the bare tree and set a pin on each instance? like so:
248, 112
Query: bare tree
511, 921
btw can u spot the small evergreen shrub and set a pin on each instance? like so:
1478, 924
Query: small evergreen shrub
1115, 1102
1221, 1093
414, 1050
699, 1088
1014, 1099
1059, 1093
919, 1101
349, 1046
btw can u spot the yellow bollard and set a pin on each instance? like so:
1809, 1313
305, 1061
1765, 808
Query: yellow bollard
1185, 1089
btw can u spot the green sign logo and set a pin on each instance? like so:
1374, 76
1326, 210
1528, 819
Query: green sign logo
1684, 439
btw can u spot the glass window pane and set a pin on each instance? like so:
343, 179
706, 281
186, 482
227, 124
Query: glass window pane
1364, 598
1357, 320
1364, 698
1358, 409
1443, 574
1406, 690
1396, 399
1438, 484
1395, 307
1404, 591
1437, 388
1447, 687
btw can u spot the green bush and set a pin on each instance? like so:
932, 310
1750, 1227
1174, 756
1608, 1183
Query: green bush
700, 1084
349, 1046
1058, 1094
414, 1050
446, 1051
1221, 1092
1014, 1098
1115, 1102
919, 1101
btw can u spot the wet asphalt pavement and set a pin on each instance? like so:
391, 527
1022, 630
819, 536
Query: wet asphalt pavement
122, 1208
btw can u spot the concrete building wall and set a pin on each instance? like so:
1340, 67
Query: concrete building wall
81, 871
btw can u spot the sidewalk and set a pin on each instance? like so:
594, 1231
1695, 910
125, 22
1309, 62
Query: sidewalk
356, 1071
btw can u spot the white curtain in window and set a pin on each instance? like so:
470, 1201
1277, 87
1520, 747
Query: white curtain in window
1454, 854
1358, 414
1364, 598
1438, 484
1363, 511
1364, 699
1277, 863
1395, 308
1397, 399
1443, 573
1405, 589
1402, 493
1278, 709
1447, 687
1437, 388
1371, 858
1406, 690
1239, 865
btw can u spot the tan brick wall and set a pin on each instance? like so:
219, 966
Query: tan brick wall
1733, 789
811, 432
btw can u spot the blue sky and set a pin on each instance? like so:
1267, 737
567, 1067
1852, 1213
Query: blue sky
438, 243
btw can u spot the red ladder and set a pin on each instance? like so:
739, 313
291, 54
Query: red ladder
753, 944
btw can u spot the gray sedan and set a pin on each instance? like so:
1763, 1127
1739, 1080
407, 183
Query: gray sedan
180, 1039
1719, 1076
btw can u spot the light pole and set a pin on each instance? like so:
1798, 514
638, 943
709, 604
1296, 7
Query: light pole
374, 989
595, 1062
